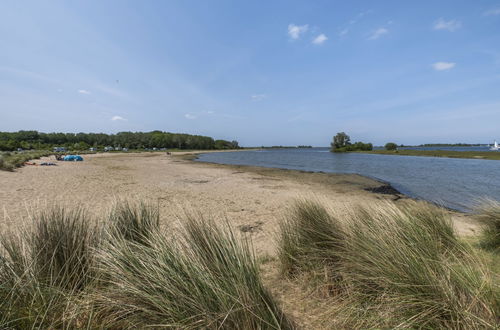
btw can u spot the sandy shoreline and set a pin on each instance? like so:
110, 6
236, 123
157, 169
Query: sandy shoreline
252, 199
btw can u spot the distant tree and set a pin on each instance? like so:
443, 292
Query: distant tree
223, 144
340, 140
234, 144
391, 146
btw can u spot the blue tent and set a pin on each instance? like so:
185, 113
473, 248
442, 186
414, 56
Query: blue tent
73, 158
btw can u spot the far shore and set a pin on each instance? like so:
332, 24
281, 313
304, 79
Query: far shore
438, 153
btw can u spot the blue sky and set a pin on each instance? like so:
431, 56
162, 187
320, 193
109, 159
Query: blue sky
260, 72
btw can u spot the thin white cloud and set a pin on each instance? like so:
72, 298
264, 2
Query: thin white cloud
358, 17
107, 89
27, 74
344, 32
295, 31
346, 27
378, 33
451, 25
258, 97
118, 118
83, 91
492, 12
190, 116
320, 39
443, 66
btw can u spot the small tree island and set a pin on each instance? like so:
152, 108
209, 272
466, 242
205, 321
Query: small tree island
391, 146
342, 143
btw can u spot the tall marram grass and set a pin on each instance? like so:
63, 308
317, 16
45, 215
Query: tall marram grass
489, 215
42, 268
134, 222
400, 266
71, 271
206, 278
307, 237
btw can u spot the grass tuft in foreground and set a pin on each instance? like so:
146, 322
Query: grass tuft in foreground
65, 272
43, 268
401, 266
207, 278
135, 222
309, 239
489, 215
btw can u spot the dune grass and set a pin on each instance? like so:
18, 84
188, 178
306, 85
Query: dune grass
307, 237
68, 272
134, 222
9, 161
489, 215
42, 268
399, 266
207, 278
385, 266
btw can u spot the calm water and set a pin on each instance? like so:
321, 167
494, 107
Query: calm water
454, 183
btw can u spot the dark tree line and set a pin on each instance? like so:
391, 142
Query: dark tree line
133, 140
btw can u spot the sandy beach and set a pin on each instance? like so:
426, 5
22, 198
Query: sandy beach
252, 199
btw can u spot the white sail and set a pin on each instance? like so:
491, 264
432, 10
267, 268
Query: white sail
495, 146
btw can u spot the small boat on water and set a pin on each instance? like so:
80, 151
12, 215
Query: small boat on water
495, 146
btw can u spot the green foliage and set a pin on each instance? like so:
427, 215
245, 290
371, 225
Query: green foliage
396, 266
133, 140
341, 140
391, 146
222, 144
12, 160
358, 146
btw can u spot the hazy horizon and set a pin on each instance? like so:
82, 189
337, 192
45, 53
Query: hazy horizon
263, 73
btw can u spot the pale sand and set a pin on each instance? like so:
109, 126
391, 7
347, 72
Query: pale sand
252, 199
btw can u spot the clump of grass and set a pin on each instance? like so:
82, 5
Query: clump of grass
309, 239
12, 160
134, 222
63, 273
489, 215
62, 246
205, 278
395, 258
402, 266
43, 268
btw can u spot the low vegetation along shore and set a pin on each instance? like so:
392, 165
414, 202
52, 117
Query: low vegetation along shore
439, 153
9, 161
380, 266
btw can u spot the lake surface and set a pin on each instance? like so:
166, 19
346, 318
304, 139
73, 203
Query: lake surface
451, 182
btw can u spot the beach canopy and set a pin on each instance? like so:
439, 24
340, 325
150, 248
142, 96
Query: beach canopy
73, 158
